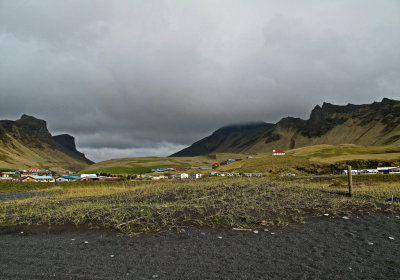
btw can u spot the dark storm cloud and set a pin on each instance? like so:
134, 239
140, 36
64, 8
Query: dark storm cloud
135, 78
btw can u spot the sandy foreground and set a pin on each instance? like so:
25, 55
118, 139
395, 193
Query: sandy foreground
366, 247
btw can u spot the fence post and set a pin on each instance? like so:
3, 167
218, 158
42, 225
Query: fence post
350, 179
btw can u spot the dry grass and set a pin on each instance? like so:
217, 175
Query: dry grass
273, 165
134, 207
330, 154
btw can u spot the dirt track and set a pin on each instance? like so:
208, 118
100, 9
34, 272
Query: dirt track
321, 249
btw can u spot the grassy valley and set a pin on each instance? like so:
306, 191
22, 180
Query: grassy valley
318, 159
125, 166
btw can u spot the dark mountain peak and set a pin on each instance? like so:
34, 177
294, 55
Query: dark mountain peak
66, 141
241, 127
32, 122
317, 113
231, 137
290, 121
24, 116
387, 103
387, 100
329, 107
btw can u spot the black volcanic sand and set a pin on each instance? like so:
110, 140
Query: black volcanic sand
321, 249
24, 195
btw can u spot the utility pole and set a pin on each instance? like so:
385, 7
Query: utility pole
350, 179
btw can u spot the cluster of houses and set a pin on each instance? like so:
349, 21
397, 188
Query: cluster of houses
37, 175
180, 169
173, 176
379, 170
222, 174
196, 175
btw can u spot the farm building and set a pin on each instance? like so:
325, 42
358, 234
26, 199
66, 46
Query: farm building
278, 152
42, 179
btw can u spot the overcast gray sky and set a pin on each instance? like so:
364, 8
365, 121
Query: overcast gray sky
139, 78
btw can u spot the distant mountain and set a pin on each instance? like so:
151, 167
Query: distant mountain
232, 138
27, 142
376, 124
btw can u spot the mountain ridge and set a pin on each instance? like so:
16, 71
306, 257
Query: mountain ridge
373, 124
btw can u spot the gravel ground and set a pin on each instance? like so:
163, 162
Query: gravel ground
23, 195
358, 248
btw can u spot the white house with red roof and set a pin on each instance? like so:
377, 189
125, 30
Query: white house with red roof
278, 152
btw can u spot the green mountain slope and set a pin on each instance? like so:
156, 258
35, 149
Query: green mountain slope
376, 124
27, 142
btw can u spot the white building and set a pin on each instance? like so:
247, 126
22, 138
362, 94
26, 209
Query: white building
158, 177
89, 177
61, 179
195, 176
233, 175
180, 176
252, 174
43, 178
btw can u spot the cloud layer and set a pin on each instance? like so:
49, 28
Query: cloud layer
135, 78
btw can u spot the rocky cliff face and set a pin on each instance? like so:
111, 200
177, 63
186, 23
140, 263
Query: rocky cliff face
369, 124
27, 142
67, 142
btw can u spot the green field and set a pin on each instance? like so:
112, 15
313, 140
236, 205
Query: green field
133, 165
145, 164
318, 159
